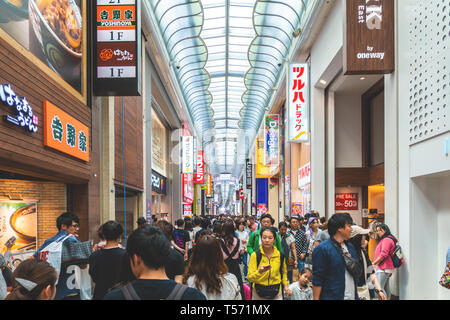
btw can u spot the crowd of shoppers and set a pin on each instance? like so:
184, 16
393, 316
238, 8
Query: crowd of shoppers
214, 257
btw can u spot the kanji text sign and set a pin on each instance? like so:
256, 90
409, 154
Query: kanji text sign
369, 37
64, 133
298, 102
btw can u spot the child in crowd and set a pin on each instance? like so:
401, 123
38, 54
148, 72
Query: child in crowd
301, 290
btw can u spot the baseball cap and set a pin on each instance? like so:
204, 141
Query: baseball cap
356, 230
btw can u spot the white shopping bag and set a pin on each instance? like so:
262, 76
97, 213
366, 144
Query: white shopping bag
52, 254
83, 282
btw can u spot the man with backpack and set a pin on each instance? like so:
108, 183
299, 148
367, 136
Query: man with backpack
181, 238
254, 242
148, 249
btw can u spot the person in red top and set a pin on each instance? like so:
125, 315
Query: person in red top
383, 265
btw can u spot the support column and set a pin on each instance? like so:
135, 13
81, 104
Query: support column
107, 193
330, 155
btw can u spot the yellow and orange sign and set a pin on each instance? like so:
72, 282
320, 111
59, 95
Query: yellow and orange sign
262, 171
64, 133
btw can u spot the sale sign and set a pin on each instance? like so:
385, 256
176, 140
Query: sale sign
346, 201
188, 187
200, 175
304, 175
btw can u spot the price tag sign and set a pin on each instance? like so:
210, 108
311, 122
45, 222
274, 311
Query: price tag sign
346, 201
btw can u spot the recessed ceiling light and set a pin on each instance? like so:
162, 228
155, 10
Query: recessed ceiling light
322, 81
362, 78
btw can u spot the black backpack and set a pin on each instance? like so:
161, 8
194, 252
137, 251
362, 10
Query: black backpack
130, 294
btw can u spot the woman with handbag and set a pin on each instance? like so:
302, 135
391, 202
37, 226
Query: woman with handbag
267, 270
359, 241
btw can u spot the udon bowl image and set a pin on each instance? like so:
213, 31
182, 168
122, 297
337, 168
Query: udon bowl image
23, 222
13, 10
57, 25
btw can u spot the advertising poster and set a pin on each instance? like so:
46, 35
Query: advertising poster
188, 188
262, 171
272, 140
297, 209
51, 30
188, 154
261, 209
18, 230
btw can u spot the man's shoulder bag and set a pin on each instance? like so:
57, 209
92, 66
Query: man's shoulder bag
352, 265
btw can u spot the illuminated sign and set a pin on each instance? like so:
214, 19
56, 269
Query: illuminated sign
209, 186
272, 140
64, 133
117, 51
369, 37
200, 175
298, 102
159, 183
24, 112
249, 174
187, 154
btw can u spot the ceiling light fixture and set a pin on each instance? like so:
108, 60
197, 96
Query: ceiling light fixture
323, 81
362, 78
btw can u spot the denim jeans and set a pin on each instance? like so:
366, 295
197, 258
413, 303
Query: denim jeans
244, 262
383, 279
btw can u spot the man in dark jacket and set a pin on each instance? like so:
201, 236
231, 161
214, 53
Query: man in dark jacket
331, 280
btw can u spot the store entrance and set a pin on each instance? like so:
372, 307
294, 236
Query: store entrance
126, 208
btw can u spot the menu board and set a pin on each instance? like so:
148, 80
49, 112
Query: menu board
117, 48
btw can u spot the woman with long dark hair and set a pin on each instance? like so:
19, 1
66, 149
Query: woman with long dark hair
230, 246
360, 242
384, 267
207, 271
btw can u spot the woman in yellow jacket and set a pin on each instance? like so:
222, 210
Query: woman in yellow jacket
266, 278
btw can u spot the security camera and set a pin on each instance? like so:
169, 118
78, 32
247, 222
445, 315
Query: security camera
177, 65
279, 63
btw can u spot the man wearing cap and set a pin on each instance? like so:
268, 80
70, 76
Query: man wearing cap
358, 238
254, 242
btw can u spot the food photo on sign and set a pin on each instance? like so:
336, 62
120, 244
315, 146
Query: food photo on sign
50, 29
18, 230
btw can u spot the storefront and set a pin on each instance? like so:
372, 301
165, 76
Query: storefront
46, 164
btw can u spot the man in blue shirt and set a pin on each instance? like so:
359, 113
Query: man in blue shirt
68, 224
331, 280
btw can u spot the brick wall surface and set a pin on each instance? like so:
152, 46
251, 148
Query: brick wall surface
51, 197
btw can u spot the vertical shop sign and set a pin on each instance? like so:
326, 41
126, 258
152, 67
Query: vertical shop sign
304, 175
298, 102
187, 154
262, 171
64, 133
248, 174
369, 37
272, 140
117, 46
209, 186
188, 187
200, 175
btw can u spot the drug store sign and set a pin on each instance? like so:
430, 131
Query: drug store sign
64, 133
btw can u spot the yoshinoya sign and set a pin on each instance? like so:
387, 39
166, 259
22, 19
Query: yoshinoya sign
298, 102
64, 133
369, 37
24, 117
117, 46
159, 183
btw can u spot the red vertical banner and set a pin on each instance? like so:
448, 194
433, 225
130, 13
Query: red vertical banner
188, 187
200, 175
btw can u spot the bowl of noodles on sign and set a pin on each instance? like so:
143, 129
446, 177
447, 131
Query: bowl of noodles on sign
57, 25
13, 10
23, 222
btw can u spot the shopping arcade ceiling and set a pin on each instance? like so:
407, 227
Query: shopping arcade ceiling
228, 57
